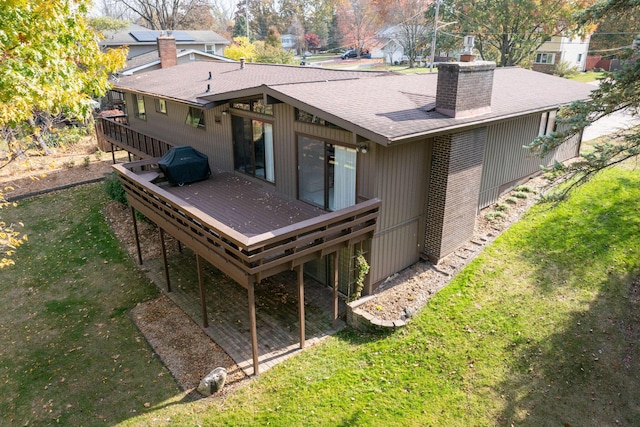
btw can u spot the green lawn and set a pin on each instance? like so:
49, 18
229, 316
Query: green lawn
590, 76
540, 329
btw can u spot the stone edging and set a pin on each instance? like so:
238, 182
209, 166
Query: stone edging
366, 322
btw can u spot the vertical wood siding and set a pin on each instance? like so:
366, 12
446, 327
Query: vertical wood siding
400, 176
508, 164
214, 140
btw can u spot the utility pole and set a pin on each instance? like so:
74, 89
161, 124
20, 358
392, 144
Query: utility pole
433, 40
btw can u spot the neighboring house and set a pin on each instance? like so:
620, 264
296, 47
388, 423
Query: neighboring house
289, 42
152, 60
141, 40
312, 165
572, 50
388, 42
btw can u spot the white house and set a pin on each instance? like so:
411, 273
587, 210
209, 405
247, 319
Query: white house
572, 50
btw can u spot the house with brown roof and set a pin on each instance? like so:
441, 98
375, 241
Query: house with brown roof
313, 166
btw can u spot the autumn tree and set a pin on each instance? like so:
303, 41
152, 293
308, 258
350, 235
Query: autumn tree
411, 30
241, 47
619, 90
358, 21
509, 32
312, 41
165, 14
263, 14
51, 63
614, 34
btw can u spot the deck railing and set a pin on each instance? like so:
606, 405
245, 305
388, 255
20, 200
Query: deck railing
247, 259
122, 136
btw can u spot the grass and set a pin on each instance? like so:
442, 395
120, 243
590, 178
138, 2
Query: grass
589, 76
540, 329
70, 354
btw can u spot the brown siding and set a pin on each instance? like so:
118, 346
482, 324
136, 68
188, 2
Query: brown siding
400, 182
508, 164
214, 140
456, 168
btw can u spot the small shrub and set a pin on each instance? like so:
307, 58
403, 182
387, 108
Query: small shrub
501, 207
86, 161
525, 188
113, 188
494, 216
99, 154
520, 194
511, 200
69, 164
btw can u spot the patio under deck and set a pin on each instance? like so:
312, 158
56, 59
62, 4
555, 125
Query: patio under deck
227, 310
248, 231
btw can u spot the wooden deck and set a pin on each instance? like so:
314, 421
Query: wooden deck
246, 230
243, 205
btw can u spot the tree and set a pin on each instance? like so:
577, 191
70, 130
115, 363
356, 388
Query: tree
263, 15
269, 54
412, 30
51, 63
509, 32
312, 41
614, 34
358, 21
165, 14
240, 48
619, 90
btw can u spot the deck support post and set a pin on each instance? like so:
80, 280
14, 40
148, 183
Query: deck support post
203, 301
135, 232
253, 326
113, 153
300, 271
336, 261
164, 260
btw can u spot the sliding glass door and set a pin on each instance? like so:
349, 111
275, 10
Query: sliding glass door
253, 147
326, 174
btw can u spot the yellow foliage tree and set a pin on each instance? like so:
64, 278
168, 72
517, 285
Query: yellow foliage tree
50, 63
240, 48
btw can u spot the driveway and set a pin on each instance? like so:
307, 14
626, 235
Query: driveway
612, 123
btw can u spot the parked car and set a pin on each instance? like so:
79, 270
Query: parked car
351, 53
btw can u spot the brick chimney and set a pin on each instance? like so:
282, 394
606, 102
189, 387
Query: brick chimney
167, 50
464, 88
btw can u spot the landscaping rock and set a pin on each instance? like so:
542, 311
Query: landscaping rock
213, 382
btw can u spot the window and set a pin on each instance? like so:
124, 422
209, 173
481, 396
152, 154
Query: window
140, 111
195, 117
210, 48
256, 105
305, 117
326, 174
161, 106
253, 147
547, 123
545, 58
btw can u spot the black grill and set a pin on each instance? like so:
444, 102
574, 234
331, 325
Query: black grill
184, 164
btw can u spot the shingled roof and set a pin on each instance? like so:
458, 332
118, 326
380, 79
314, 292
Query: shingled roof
381, 106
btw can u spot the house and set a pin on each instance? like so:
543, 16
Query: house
141, 40
289, 42
572, 50
313, 166
388, 43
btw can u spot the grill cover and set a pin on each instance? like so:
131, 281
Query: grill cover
184, 164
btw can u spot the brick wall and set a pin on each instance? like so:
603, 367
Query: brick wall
464, 88
167, 51
454, 188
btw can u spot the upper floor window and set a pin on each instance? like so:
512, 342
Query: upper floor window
305, 117
161, 106
210, 48
256, 105
140, 111
195, 117
545, 58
